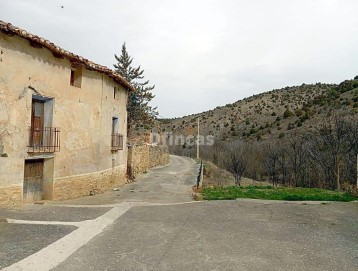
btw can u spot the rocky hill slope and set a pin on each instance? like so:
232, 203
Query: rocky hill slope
273, 114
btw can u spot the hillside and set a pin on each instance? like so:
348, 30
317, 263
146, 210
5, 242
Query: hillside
273, 114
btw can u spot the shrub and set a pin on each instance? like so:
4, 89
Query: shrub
299, 112
346, 86
287, 113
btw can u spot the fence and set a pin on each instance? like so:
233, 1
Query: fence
44, 140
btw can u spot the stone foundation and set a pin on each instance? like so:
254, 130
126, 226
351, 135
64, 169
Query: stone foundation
88, 184
11, 196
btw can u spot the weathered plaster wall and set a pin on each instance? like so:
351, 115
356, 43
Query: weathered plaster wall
145, 156
84, 115
10, 196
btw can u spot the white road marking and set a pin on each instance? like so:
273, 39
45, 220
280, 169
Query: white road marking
18, 221
54, 254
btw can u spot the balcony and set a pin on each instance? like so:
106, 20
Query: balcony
44, 140
117, 142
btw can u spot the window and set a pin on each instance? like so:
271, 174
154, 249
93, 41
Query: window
76, 77
72, 80
115, 125
117, 139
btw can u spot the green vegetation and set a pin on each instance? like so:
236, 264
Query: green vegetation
270, 193
287, 113
140, 113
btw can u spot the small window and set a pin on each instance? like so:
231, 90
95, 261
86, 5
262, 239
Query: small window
117, 139
115, 126
72, 80
76, 77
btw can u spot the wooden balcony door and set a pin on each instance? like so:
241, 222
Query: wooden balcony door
37, 122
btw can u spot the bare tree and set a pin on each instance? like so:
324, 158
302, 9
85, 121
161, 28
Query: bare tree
297, 157
236, 160
271, 162
333, 144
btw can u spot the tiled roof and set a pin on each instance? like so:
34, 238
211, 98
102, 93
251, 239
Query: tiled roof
9, 29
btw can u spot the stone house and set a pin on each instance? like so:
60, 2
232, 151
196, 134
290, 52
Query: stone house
63, 122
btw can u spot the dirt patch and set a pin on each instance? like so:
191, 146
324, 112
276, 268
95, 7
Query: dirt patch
215, 176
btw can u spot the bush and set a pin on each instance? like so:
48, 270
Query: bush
299, 112
346, 86
287, 113
346, 103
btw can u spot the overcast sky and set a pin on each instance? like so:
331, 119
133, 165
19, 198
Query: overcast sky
204, 53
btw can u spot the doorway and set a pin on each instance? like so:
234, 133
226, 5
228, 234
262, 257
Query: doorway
33, 180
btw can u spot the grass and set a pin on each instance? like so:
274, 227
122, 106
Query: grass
270, 193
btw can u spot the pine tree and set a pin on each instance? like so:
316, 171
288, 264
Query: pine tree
139, 110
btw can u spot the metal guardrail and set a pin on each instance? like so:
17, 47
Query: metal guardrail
199, 177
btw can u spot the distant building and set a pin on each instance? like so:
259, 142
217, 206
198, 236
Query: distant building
63, 122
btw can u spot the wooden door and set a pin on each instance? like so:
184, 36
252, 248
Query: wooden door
37, 123
33, 180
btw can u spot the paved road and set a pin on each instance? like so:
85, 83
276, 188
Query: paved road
169, 184
37, 234
154, 225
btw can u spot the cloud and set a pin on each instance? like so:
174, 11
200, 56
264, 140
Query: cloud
201, 54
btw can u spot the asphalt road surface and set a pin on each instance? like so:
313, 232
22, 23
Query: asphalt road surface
153, 224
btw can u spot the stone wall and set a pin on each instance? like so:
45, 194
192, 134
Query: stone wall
11, 196
138, 160
88, 184
158, 156
145, 156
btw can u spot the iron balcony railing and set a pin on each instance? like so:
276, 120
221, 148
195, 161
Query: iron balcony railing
44, 140
117, 142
